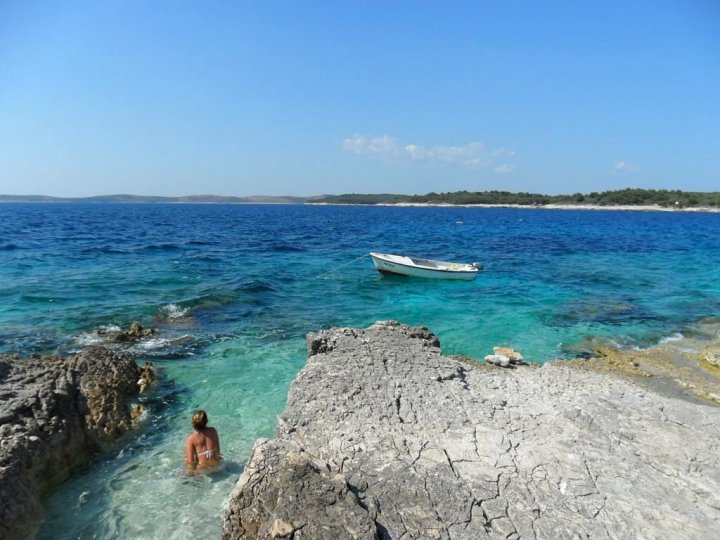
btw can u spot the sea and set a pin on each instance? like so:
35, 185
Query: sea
233, 290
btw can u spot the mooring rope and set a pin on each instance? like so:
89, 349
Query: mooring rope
342, 265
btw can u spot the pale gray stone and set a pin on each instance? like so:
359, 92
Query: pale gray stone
498, 359
382, 436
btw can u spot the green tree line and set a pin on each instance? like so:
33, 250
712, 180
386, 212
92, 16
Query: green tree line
623, 197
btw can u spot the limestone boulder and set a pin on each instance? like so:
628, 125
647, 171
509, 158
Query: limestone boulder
384, 437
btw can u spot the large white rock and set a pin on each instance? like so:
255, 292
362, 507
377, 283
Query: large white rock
381, 429
498, 359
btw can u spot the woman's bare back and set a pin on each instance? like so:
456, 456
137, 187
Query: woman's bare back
202, 448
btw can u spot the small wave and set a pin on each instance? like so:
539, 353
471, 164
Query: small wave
168, 347
102, 334
275, 336
110, 328
107, 330
674, 337
286, 248
102, 250
210, 300
9, 247
199, 243
257, 286
87, 339
174, 312
155, 343
168, 246
206, 258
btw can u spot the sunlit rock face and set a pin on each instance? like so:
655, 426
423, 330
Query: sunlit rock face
383, 437
55, 413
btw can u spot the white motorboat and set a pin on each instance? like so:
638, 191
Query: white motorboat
426, 268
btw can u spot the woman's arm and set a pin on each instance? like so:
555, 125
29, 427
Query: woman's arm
217, 440
190, 456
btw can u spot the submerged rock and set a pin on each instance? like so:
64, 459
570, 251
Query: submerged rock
383, 437
711, 356
685, 367
134, 333
55, 413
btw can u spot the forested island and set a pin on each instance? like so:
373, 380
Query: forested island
624, 197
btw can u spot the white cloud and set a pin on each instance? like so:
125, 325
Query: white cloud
504, 168
624, 167
473, 154
360, 144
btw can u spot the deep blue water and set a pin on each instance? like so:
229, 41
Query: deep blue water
234, 289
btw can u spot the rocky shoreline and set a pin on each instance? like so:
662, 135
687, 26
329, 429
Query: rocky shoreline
56, 412
383, 437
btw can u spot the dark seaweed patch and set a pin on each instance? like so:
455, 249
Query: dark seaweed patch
597, 311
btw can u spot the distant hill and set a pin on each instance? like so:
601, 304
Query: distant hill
123, 198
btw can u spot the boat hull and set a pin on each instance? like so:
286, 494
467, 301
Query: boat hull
402, 266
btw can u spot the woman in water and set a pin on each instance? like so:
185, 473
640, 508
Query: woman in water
202, 447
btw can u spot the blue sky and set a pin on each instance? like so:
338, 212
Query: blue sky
302, 98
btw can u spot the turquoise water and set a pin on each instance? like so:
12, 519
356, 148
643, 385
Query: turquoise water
234, 289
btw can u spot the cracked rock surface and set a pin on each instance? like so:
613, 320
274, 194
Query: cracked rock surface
383, 437
54, 412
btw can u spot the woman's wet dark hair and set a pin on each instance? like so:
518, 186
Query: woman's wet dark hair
199, 420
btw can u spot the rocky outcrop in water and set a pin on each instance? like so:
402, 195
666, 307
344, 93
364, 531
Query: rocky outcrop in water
383, 437
135, 332
55, 413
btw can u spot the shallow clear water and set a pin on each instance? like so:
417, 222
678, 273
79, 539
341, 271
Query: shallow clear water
234, 289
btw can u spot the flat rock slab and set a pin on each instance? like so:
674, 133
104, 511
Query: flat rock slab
54, 413
383, 437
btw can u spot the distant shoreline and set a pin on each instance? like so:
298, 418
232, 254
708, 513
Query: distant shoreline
150, 199
151, 203
595, 207
300, 201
